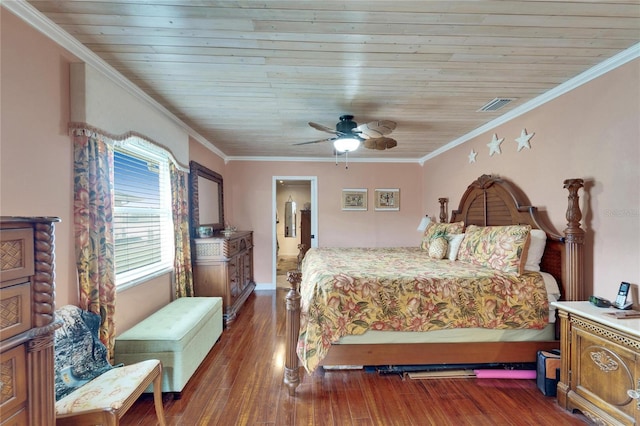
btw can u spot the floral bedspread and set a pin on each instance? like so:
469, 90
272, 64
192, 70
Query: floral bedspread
347, 291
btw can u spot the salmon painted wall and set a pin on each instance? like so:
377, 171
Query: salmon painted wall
592, 132
36, 157
250, 197
35, 150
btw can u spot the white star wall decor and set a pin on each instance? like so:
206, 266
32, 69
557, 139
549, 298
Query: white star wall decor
494, 145
523, 140
472, 156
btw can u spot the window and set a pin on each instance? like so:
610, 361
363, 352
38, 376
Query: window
143, 224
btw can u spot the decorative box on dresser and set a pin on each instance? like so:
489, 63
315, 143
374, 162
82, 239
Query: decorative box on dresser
27, 321
599, 373
224, 268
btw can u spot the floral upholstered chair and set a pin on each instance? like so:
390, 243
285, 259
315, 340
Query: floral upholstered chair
89, 390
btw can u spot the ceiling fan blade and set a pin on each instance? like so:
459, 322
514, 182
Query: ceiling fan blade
380, 143
316, 141
322, 128
375, 129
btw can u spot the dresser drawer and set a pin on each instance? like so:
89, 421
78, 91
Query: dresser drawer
239, 244
248, 241
233, 247
18, 418
13, 376
604, 369
16, 254
15, 310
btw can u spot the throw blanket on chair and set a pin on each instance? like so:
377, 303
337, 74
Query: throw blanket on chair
80, 356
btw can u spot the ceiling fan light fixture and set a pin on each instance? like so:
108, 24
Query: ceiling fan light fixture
346, 144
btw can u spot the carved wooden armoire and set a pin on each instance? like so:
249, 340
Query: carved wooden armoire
27, 321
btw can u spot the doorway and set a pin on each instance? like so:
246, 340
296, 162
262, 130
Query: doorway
301, 193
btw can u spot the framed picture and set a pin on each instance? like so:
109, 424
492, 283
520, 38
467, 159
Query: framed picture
387, 199
354, 199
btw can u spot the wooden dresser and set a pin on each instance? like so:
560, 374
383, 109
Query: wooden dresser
600, 371
305, 230
27, 321
224, 268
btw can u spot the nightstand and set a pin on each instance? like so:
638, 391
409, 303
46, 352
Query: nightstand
599, 373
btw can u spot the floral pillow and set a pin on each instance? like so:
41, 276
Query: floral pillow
435, 228
498, 247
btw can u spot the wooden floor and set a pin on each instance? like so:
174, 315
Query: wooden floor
240, 383
286, 263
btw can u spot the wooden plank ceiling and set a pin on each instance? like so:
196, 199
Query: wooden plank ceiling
249, 75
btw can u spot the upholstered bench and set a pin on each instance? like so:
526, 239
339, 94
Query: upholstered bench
180, 335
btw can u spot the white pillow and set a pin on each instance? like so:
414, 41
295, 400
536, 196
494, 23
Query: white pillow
454, 245
550, 283
538, 239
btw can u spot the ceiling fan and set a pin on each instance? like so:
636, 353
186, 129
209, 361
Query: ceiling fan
348, 135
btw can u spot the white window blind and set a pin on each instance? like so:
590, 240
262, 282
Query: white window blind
142, 220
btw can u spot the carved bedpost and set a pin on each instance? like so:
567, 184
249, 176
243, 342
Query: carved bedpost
443, 209
574, 242
292, 330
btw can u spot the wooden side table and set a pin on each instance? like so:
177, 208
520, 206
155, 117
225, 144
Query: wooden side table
599, 375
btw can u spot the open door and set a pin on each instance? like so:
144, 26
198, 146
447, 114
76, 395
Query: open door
289, 191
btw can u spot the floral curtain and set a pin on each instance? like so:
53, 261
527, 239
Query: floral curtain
182, 262
93, 229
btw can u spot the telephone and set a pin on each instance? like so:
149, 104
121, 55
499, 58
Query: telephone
621, 299
619, 303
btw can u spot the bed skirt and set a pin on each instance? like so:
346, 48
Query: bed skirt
459, 335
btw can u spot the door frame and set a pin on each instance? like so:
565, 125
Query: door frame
313, 180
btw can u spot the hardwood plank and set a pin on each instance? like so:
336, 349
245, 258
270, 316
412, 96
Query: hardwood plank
543, 27
284, 9
317, 67
294, 45
560, 53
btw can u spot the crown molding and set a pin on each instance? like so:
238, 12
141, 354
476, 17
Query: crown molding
41, 23
326, 160
596, 71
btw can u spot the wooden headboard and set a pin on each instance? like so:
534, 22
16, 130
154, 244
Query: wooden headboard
492, 201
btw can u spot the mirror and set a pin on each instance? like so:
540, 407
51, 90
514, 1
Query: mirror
205, 193
290, 219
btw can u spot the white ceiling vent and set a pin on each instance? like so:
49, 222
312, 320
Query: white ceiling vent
495, 104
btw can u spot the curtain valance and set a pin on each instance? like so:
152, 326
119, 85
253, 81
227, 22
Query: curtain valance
83, 129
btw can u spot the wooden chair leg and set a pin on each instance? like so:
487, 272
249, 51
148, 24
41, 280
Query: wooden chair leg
157, 398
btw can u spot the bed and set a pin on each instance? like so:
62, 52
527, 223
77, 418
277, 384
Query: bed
398, 306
